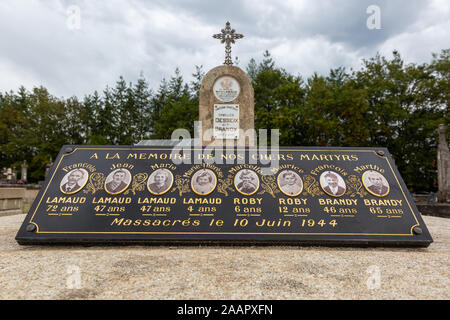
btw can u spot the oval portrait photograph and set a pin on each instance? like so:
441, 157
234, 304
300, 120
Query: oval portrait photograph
117, 181
375, 183
160, 181
332, 183
74, 181
290, 183
203, 182
246, 181
226, 88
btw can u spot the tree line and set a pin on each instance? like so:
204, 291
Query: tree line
385, 103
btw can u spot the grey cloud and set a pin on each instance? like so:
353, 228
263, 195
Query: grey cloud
338, 20
120, 37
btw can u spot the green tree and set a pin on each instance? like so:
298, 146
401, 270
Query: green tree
142, 111
404, 111
197, 83
96, 120
179, 110
157, 104
335, 111
279, 99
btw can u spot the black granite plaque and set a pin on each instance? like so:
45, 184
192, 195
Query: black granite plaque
298, 195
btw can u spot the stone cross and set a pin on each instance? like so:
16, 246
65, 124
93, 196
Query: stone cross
228, 36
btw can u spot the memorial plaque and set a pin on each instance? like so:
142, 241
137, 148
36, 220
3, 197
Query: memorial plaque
312, 195
226, 121
226, 89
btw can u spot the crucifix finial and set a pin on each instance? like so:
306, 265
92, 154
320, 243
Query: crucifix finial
228, 36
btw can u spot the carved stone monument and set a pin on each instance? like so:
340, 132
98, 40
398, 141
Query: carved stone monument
443, 167
165, 195
317, 195
226, 108
23, 172
8, 176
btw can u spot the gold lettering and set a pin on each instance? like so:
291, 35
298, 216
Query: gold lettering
248, 201
115, 156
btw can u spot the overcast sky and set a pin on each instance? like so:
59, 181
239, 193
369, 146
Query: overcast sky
76, 47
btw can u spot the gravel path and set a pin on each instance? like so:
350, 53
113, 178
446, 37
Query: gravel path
140, 272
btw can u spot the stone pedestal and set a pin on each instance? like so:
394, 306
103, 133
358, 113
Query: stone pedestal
209, 99
443, 166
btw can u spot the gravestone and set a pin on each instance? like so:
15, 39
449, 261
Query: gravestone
23, 172
320, 196
226, 103
9, 175
443, 166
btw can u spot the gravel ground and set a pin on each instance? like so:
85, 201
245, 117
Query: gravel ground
187, 272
